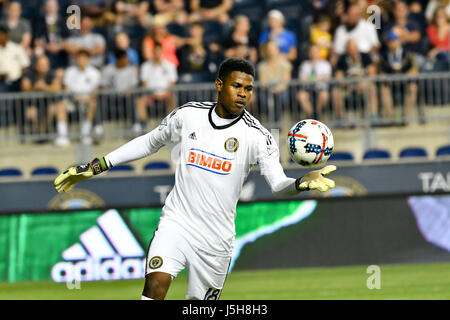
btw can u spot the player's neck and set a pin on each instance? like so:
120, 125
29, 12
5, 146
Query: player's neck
221, 112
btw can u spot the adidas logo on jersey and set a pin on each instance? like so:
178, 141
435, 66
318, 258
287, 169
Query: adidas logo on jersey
209, 162
108, 251
192, 136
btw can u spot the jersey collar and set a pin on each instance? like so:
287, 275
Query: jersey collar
224, 126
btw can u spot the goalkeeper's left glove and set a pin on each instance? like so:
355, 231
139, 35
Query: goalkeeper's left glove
67, 180
316, 180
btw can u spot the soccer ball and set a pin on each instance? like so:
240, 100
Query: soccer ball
310, 143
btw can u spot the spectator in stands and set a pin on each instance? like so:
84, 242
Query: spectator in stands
439, 34
211, 10
398, 60
409, 31
40, 111
274, 73
50, 33
354, 64
158, 76
239, 42
193, 55
122, 42
169, 43
318, 70
131, 12
286, 40
82, 80
320, 35
19, 28
93, 43
13, 62
99, 11
355, 27
170, 9
122, 78
433, 5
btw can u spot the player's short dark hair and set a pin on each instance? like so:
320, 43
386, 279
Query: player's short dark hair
235, 64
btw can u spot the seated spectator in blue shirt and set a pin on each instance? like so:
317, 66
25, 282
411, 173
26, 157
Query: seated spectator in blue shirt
122, 42
284, 39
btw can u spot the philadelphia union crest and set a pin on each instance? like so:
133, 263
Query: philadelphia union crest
231, 144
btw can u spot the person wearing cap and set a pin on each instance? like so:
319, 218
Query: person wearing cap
398, 60
285, 39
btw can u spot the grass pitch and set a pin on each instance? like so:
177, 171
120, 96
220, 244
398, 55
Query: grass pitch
426, 281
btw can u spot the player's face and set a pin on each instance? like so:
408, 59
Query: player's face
235, 92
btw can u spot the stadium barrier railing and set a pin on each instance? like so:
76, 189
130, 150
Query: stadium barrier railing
364, 101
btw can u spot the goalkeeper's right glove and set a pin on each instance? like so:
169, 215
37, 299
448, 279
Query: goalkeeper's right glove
67, 180
316, 180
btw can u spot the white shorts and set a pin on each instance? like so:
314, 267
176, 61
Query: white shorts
170, 252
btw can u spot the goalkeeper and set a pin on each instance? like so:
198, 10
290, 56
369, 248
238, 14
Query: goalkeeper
219, 143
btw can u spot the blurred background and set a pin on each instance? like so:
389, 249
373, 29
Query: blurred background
80, 78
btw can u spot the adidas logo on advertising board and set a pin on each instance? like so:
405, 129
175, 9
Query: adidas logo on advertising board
108, 251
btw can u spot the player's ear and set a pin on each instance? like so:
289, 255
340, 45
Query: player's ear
219, 84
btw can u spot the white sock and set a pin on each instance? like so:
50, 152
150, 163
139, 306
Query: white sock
146, 298
86, 128
62, 129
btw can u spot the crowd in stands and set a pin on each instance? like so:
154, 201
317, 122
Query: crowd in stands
155, 44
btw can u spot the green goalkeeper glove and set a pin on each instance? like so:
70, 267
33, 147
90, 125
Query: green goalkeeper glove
316, 180
67, 180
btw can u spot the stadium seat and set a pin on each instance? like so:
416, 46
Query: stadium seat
376, 154
413, 152
157, 165
10, 172
122, 167
443, 151
44, 171
341, 156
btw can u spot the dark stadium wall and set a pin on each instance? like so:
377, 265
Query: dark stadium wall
340, 232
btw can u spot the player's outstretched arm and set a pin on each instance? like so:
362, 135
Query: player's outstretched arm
67, 180
316, 180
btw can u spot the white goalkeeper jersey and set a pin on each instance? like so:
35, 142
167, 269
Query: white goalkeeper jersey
215, 157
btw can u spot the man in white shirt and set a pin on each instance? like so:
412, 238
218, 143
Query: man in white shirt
158, 76
317, 70
358, 29
219, 143
13, 61
82, 81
